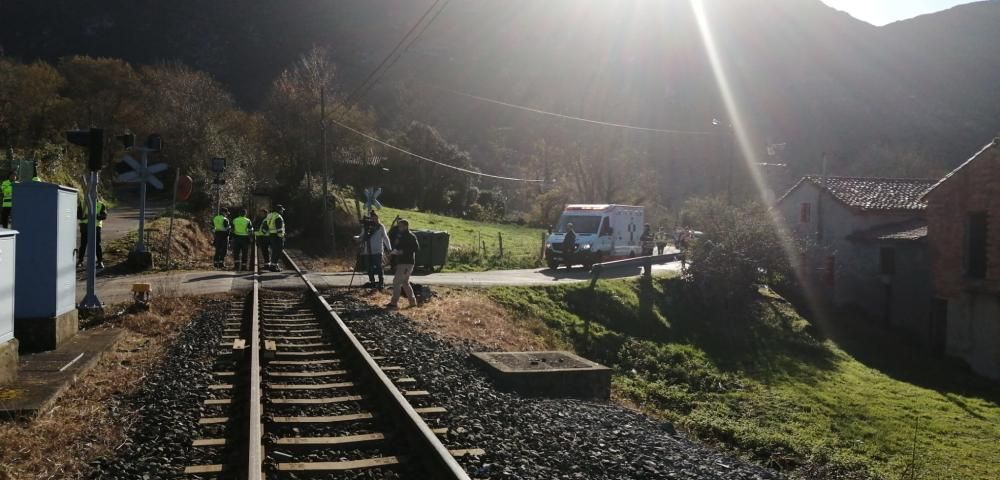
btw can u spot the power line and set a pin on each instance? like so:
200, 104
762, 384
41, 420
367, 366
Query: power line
578, 119
429, 23
416, 38
421, 157
365, 83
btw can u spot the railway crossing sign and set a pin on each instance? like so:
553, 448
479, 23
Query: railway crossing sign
141, 173
371, 198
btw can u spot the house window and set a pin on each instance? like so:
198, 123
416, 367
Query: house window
975, 246
887, 261
805, 212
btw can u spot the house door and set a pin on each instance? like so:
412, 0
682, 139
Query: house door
937, 333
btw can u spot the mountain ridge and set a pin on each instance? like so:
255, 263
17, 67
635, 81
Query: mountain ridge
804, 73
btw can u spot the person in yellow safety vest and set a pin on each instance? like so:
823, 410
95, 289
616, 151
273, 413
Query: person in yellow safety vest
260, 236
242, 230
221, 228
83, 216
276, 232
7, 192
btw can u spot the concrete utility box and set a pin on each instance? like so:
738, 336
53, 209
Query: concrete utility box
45, 302
8, 344
552, 373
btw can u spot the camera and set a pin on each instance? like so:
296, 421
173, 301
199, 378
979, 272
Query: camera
369, 225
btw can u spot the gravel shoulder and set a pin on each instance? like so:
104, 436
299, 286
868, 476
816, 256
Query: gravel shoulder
158, 443
534, 438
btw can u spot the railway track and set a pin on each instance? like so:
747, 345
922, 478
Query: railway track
298, 394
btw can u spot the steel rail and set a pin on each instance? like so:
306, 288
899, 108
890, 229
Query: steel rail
255, 430
429, 450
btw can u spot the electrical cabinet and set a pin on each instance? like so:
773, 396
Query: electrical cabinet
45, 217
8, 249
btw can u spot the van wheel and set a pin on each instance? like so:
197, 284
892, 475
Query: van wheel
553, 265
631, 254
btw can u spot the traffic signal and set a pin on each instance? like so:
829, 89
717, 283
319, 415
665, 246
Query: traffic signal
128, 140
94, 141
218, 165
154, 142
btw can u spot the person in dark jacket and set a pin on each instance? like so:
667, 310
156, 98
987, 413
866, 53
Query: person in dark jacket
404, 251
646, 240
569, 241
393, 238
222, 228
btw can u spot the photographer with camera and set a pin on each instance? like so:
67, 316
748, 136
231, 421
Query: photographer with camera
374, 242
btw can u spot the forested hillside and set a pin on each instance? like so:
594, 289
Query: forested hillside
913, 98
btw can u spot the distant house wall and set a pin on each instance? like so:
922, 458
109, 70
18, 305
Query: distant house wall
975, 188
902, 298
973, 332
973, 304
856, 277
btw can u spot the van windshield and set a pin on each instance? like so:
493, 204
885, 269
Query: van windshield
581, 223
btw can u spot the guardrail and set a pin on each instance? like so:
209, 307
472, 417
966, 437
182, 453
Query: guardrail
645, 262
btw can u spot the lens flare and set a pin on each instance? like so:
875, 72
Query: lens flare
748, 153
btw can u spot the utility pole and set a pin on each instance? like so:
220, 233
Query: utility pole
327, 217
819, 201
94, 141
732, 164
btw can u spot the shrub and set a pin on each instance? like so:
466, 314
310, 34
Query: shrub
739, 250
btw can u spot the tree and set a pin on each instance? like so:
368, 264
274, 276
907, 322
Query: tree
294, 114
423, 184
31, 107
105, 92
739, 250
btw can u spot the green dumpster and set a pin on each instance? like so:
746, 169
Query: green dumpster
433, 251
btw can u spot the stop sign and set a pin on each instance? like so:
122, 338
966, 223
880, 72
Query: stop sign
184, 187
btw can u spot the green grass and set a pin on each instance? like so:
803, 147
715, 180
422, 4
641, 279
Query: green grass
777, 393
521, 245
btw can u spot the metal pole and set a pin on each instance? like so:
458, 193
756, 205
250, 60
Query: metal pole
327, 219
90, 300
140, 245
732, 162
218, 195
173, 213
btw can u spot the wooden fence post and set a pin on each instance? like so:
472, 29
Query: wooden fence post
500, 240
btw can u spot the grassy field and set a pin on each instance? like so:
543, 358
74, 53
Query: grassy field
859, 407
521, 245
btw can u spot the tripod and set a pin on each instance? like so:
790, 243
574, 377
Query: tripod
365, 237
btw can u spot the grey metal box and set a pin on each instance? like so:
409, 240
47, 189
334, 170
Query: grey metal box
45, 217
8, 248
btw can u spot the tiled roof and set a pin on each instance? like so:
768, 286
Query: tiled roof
910, 230
872, 193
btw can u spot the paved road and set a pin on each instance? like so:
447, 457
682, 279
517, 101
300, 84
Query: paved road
124, 219
117, 289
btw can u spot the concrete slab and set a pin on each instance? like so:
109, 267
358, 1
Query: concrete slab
42, 334
119, 289
8, 361
43, 377
547, 373
496, 278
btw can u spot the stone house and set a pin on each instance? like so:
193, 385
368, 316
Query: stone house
964, 247
867, 247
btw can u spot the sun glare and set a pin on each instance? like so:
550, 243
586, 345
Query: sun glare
739, 130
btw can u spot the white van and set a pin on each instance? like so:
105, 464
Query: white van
603, 232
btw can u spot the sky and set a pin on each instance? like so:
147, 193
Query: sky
881, 12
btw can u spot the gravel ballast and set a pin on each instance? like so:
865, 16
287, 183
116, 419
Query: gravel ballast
536, 438
169, 404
